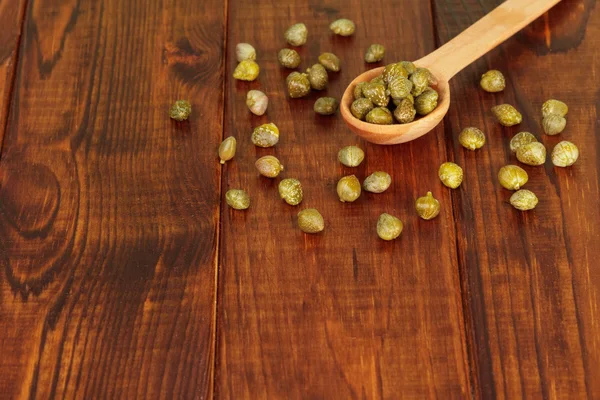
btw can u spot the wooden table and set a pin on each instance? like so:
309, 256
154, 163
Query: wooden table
124, 274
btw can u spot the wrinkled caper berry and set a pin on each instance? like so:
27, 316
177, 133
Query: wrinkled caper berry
290, 190
296, 34
342, 27
405, 111
427, 207
389, 227
376, 93
244, 51
361, 107
298, 84
326, 105
380, 116
420, 79
317, 76
310, 220
426, 102
524, 200
357, 92
554, 124
378, 80
520, 139
330, 61
400, 87
348, 189
237, 199
408, 66
507, 115
512, 177
533, 153
393, 71
471, 138
227, 149
180, 110
288, 58
410, 98
377, 182
554, 107
451, 174
565, 154
351, 156
374, 53
266, 135
493, 81
257, 102
269, 166
247, 70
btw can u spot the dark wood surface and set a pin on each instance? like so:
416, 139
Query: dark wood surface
123, 274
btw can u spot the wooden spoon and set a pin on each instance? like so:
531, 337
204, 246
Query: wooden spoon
487, 33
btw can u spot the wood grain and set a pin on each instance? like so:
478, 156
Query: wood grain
340, 314
108, 209
529, 279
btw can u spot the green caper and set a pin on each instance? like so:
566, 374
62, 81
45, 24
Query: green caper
507, 115
524, 200
298, 84
237, 199
410, 98
361, 107
310, 220
348, 189
358, 94
380, 116
554, 107
290, 190
330, 61
227, 149
266, 135
427, 206
377, 182
378, 80
420, 79
408, 66
564, 154
426, 102
405, 111
288, 58
296, 34
374, 53
400, 87
554, 124
351, 156
376, 93
269, 166
471, 138
493, 81
326, 105
512, 177
342, 27
393, 71
451, 174
389, 227
520, 139
317, 76
247, 70
533, 153
180, 110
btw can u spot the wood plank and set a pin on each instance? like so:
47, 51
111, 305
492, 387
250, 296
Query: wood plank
530, 283
341, 314
108, 209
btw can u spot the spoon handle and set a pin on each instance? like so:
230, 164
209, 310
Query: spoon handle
491, 30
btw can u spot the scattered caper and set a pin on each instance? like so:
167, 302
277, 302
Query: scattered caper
408, 66
298, 84
393, 71
524, 200
247, 70
564, 154
389, 227
342, 27
348, 189
377, 182
237, 199
358, 90
180, 110
405, 111
317, 76
257, 102
427, 206
380, 116
471, 138
244, 51
554, 124
493, 81
361, 107
269, 166
512, 177
533, 153
310, 220
374, 53
227, 149
426, 102
330, 61
507, 115
554, 107
351, 156
290, 190
376, 93
288, 58
296, 34
520, 139
266, 135
400, 87
451, 174
326, 105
